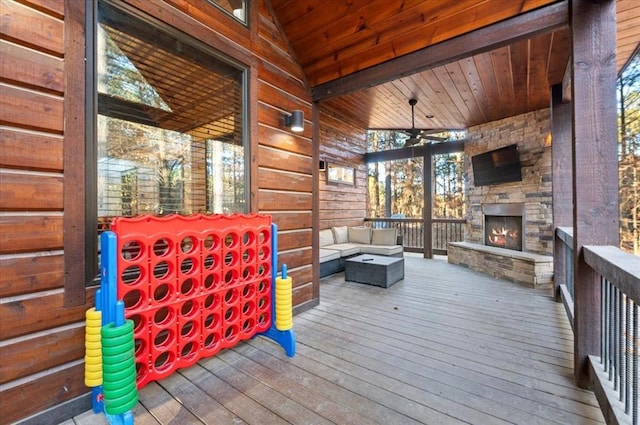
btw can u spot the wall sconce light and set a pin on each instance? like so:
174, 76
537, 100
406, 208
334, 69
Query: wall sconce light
295, 121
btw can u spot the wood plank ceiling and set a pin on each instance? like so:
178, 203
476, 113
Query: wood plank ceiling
334, 39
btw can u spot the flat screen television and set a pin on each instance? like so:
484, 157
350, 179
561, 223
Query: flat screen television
497, 166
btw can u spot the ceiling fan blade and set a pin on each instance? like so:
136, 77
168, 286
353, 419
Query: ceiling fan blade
434, 138
411, 141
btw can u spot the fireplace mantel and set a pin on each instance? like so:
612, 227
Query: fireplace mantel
510, 209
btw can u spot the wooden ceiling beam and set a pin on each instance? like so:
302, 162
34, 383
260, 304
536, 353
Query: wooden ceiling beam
530, 24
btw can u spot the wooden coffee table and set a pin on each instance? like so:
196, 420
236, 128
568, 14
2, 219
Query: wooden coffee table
376, 270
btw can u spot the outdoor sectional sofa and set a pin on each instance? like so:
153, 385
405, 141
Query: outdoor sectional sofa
339, 243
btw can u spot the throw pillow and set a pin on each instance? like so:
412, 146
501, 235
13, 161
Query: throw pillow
383, 237
360, 235
340, 234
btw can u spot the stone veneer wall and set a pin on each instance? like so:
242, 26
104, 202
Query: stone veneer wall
532, 133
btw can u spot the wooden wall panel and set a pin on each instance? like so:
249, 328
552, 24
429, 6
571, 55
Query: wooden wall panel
288, 220
25, 315
295, 258
25, 233
282, 160
31, 28
29, 109
270, 200
32, 68
35, 395
294, 239
344, 143
31, 272
33, 192
271, 137
20, 359
29, 149
272, 179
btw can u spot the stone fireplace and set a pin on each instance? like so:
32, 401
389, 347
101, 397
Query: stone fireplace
503, 226
509, 230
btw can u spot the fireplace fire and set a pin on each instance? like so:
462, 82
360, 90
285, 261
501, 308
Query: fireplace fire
503, 232
503, 226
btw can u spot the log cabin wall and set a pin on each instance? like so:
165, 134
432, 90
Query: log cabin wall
41, 340
342, 143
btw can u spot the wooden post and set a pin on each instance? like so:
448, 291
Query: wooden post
427, 213
595, 166
562, 178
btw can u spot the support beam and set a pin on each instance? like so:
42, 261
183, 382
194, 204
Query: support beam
562, 178
595, 166
527, 25
427, 211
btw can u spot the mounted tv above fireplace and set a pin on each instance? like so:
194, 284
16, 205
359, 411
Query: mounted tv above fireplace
497, 166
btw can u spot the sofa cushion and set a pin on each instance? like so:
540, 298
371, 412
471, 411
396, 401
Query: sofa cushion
359, 235
383, 237
340, 234
328, 254
388, 250
326, 237
346, 249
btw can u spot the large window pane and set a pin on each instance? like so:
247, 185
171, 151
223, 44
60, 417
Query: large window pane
169, 123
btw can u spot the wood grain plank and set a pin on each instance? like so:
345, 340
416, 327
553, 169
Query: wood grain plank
296, 257
272, 179
29, 109
24, 273
21, 65
25, 315
30, 192
233, 400
294, 239
163, 406
37, 395
31, 28
287, 220
273, 201
60, 346
30, 150
29, 233
285, 161
52, 7
272, 137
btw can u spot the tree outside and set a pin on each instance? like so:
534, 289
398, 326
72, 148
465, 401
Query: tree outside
629, 155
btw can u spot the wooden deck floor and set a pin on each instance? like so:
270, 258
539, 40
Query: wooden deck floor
444, 346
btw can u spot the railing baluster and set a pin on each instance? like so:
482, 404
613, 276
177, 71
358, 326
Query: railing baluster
616, 337
624, 390
635, 339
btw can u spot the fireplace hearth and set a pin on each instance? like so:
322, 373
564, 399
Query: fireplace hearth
503, 226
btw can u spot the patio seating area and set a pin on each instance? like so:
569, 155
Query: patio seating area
446, 345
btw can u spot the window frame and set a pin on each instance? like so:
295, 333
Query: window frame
91, 238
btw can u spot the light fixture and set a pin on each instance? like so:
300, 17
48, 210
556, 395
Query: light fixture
322, 165
295, 121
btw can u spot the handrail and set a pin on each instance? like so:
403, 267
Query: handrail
617, 266
615, 373
444, 230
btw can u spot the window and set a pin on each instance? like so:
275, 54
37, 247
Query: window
169, 124
236, 8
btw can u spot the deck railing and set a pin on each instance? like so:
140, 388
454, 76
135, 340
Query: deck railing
563, 273
616, 371
444, 230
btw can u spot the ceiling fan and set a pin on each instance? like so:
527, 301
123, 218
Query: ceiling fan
416, 134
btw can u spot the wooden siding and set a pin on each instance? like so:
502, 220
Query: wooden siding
41, 335
40, 342
342, 143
